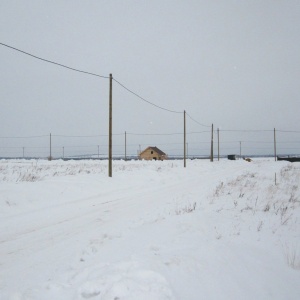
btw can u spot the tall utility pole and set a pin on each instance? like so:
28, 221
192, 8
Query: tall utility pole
110, 129
240, 149
184, 139
275, 155
218, 144
212, 143
50, 157
125, 147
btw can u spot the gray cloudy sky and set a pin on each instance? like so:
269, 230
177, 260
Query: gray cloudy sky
232, 63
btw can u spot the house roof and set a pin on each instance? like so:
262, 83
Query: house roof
158, 151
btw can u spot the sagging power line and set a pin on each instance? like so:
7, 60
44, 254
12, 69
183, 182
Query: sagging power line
143, 99
197, 121
157, 106
52, 62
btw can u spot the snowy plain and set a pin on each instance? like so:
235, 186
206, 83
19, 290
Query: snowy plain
155, 230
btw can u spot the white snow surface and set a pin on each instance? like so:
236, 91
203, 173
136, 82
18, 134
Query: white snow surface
155, 230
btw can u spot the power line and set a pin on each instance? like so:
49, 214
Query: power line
25, 147
197, 121
77, 136
22, 137
160, 107
52, 62
290, 131
196, 132
245, 141
84, 136
177, 133
246, 130
260, 142
174, 133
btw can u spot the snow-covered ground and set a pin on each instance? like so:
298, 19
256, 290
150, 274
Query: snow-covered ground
155, 230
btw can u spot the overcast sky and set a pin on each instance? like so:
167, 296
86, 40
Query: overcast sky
235, 64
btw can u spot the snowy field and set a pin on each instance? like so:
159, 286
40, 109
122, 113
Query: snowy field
155, 230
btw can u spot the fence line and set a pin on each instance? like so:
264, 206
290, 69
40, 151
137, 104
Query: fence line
198, 144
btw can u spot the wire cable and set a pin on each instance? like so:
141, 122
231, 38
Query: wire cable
177, 133
174, 133
85, 136
160, 107
77, 136
196, 132
197, 121
289, 131
52, 62
22, 137
246, 130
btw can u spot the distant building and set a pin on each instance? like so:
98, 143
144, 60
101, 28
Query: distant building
153, 153
289, 158
231, 157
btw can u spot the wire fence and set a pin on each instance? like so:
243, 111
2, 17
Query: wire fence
239, 142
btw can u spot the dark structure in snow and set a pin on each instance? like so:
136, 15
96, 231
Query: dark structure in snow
289, 158
231, 157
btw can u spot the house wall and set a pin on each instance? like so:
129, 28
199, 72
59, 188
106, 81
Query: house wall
147, 155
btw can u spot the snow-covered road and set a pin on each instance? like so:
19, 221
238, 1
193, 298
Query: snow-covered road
155, 230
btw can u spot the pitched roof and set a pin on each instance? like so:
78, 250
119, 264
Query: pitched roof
158, 151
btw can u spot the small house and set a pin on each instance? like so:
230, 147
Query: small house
153, 153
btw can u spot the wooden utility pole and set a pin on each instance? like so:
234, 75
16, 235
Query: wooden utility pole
125, 147
240, 149
110, 129
184, 139
218, 144
275, 155
212, 143
50, 157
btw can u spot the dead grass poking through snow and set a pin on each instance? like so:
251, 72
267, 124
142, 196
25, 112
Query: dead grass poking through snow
293, 257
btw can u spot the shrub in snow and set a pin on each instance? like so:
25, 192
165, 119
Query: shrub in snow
188, 208
293, 257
